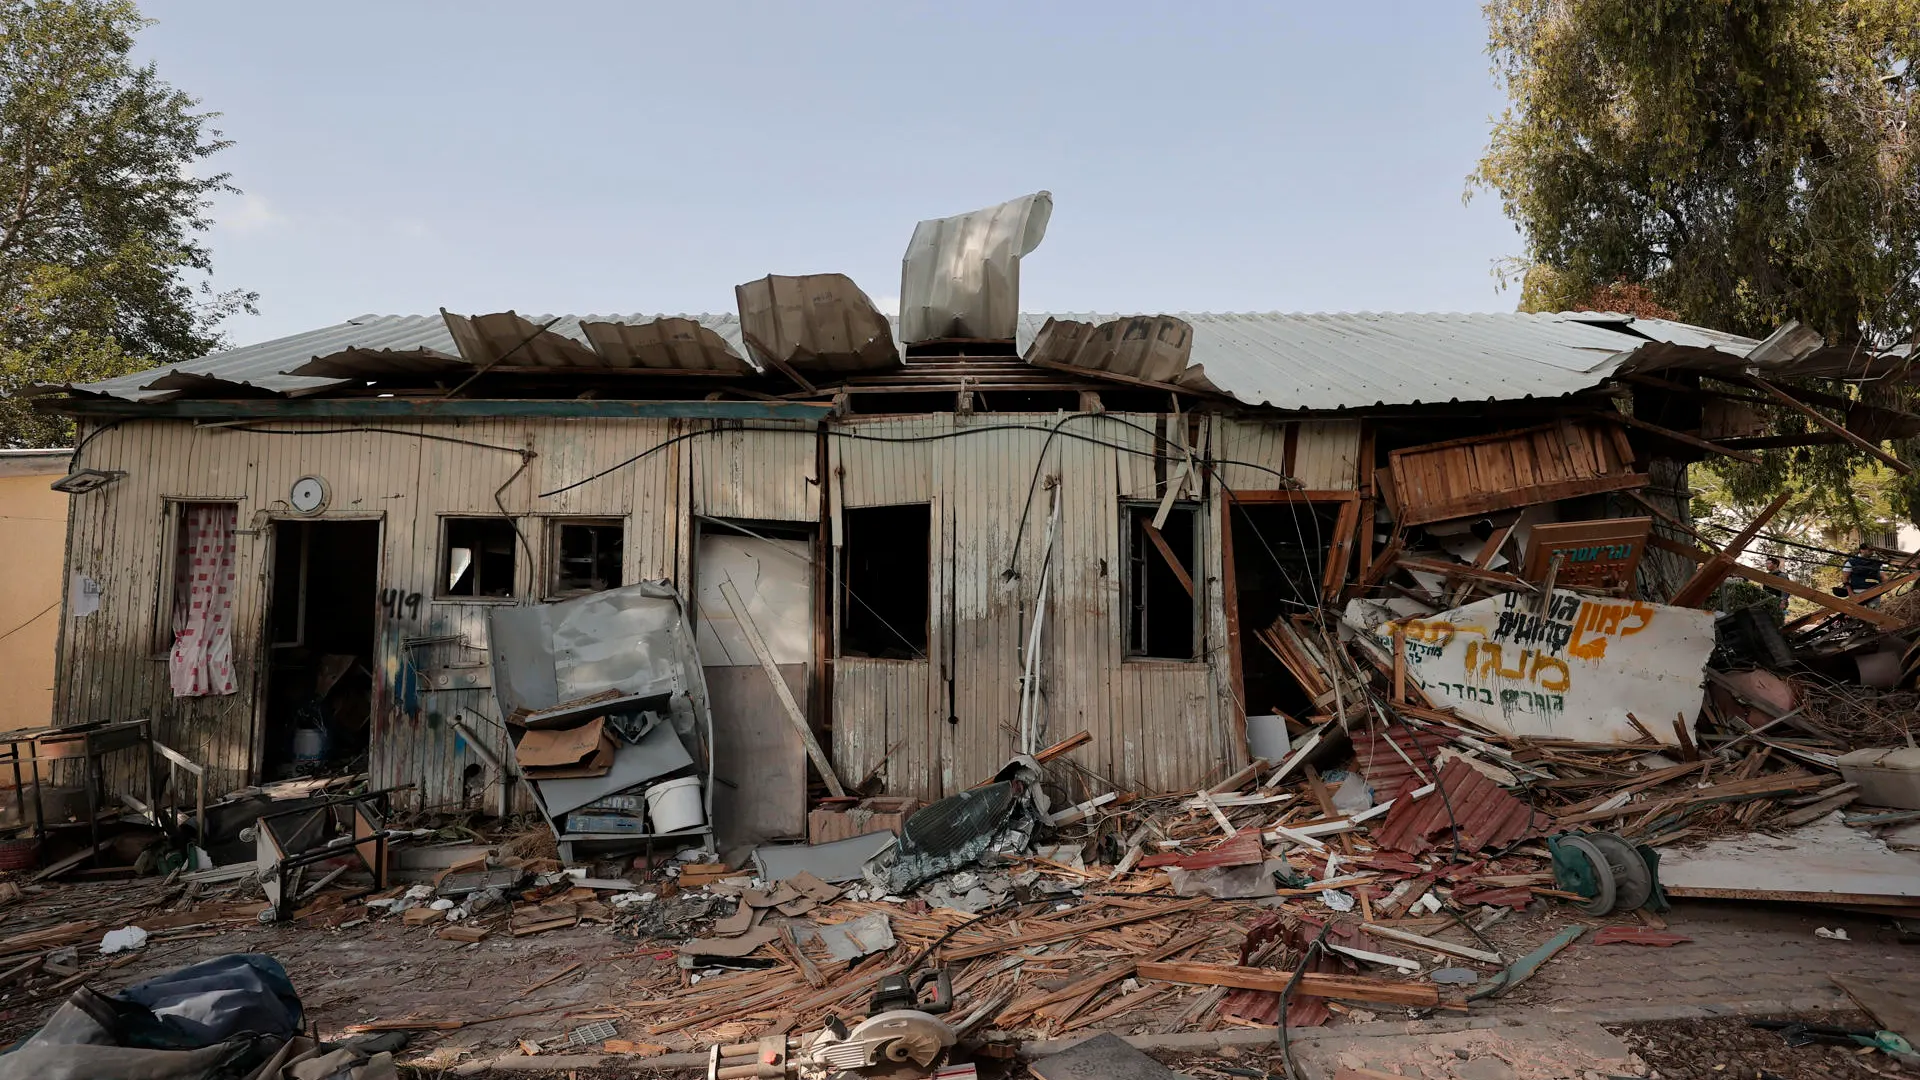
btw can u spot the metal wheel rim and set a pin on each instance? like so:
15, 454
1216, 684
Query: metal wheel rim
1602, 901
1633, 884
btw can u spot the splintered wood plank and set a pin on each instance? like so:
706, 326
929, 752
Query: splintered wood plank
1311, 984
1048, 937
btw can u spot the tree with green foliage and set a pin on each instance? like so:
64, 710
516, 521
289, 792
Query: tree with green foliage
1732, 164
102, 269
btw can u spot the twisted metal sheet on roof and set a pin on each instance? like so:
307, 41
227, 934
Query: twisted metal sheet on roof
1320, 362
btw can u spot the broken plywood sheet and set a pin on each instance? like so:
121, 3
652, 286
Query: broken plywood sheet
1572, 668
1893, 1004
760, 762
1827, 861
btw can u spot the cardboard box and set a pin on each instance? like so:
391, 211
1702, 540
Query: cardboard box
880, 814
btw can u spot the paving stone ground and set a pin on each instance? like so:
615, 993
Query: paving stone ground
1742, 955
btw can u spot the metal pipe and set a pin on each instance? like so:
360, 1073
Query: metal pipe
488, 759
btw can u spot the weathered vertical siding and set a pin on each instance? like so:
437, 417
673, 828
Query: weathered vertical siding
1157, 725
387, 472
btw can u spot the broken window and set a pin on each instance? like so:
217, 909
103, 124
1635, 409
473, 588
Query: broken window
173, 599
200, 613
584, 556
886, 578
1163, 612
477, 557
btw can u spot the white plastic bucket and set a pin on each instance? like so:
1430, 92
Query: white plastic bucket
675, 805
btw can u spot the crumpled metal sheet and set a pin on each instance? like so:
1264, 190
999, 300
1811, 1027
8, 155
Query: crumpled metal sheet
633, 640
815, 322
505, 337
1150, 348
669, 343
961, 275
359, 363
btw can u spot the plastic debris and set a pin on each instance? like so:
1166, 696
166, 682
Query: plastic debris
125, 939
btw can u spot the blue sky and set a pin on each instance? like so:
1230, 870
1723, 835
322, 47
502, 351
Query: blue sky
617, 157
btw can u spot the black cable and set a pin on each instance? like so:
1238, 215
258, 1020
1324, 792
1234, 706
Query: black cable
30, 620
73, 462
1777, 540
370, 431
1317, 945
526, 459
1039, 465
881, 619
839, 433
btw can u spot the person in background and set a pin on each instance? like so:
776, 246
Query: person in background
1862, 570
1777, 569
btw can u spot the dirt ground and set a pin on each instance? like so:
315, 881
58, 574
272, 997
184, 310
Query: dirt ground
1726, 1048
543, 985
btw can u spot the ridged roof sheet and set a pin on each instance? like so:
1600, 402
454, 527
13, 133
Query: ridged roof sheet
1284, 360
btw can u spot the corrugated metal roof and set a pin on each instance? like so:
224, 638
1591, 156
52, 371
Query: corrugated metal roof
1486, 816
1289, 361
1355, 360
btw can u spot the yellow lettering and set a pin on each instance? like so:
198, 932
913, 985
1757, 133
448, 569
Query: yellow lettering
1584, 623
1560, 681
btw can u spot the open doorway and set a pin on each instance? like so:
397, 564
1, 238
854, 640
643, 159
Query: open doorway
1285, 554
755, 595
319, 694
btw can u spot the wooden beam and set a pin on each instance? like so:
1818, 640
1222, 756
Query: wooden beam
1173, 561
1432, 944
1827, 422
1311, 984
1716, 568
1466, 570
1879, 590
1787, 585
1048, 937
1682, 437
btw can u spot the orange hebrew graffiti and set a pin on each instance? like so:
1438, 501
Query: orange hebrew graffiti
1601, 619
1485, 660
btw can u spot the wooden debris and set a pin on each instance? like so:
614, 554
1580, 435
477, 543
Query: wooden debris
1312, 984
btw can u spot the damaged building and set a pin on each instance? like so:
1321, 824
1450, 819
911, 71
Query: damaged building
958, 534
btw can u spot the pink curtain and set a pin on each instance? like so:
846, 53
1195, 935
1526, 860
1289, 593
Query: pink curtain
202, 660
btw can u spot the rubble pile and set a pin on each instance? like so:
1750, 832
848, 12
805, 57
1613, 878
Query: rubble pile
1502, 748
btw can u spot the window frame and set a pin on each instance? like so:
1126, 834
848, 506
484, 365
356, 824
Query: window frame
843, 596
444, 551
550, 572
1196, 508
172, 520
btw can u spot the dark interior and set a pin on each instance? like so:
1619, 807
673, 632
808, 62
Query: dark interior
1279, 554
587, 556
477, 558
320, 675
886, 576
1161, 615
